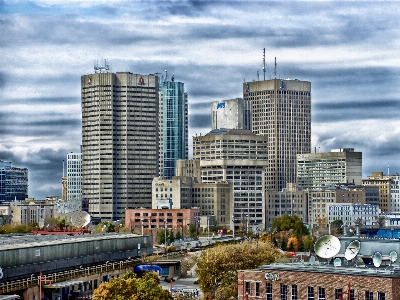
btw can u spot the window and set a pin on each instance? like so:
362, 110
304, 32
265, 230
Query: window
381, 296
248, 287
338, 293
310, 293
369, 295
284, 292
352, 297
268, 291
294, 292
258, 290
321, 293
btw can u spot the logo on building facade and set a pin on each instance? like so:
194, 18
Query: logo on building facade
141, 81
270, 276
221, 105
89, 80
247, 87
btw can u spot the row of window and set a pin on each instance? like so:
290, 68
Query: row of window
284, 292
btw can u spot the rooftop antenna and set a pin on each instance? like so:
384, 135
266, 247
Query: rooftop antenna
166, 75
258, 76
388, 171
275, 67
264, 62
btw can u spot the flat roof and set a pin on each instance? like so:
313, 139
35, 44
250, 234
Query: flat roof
383, 271
16, 241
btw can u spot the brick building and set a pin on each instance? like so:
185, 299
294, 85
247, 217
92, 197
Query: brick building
298, 281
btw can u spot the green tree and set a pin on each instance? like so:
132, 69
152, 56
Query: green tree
337, 226
170, 236
105, 226
192, 231
130, 287
287, 222
308, 243
217, 270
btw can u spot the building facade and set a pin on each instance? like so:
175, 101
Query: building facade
351, 213
239, 157
119, 141
319, 201
173, 126
74, 176
316, 171
383, 182
281, 111
289, 201
149, 221
395, 194
232, 114
13, 182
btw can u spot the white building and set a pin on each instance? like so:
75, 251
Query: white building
349, 213
232, 114
395, 194
74, 176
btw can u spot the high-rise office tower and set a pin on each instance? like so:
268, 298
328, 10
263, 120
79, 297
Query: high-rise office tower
281, 110
13, 182
231, 114
119, 141
173, 126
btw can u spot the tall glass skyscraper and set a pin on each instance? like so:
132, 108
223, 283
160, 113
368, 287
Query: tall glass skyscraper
173, 126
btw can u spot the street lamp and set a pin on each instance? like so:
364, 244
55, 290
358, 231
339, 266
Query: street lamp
233, 221
208, 228
247, 226
142, 227
165, 230
188, 225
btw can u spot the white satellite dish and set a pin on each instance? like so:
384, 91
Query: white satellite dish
327, 246
377, 259
393, 256
352, 250
80, 219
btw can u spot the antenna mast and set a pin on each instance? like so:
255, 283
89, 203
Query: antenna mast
264, 62
275, 67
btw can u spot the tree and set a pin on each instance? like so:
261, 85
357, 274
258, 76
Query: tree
293, 244
286, 223
217, 267
106, 226
192, 231
337, 226
130, 287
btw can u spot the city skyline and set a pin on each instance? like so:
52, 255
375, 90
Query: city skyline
347, 51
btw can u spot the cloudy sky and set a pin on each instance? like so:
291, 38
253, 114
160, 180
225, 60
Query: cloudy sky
348, 50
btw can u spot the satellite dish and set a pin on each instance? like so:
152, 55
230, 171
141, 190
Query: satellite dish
337, 262
327, 246
377, 259
393, 256
352, 250
80, 219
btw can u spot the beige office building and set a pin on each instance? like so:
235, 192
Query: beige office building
281, 111
384, 184
119, 141
239, 157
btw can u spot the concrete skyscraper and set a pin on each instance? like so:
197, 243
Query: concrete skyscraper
119, 141
281, 110
74, 176
231, 114
173, 126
